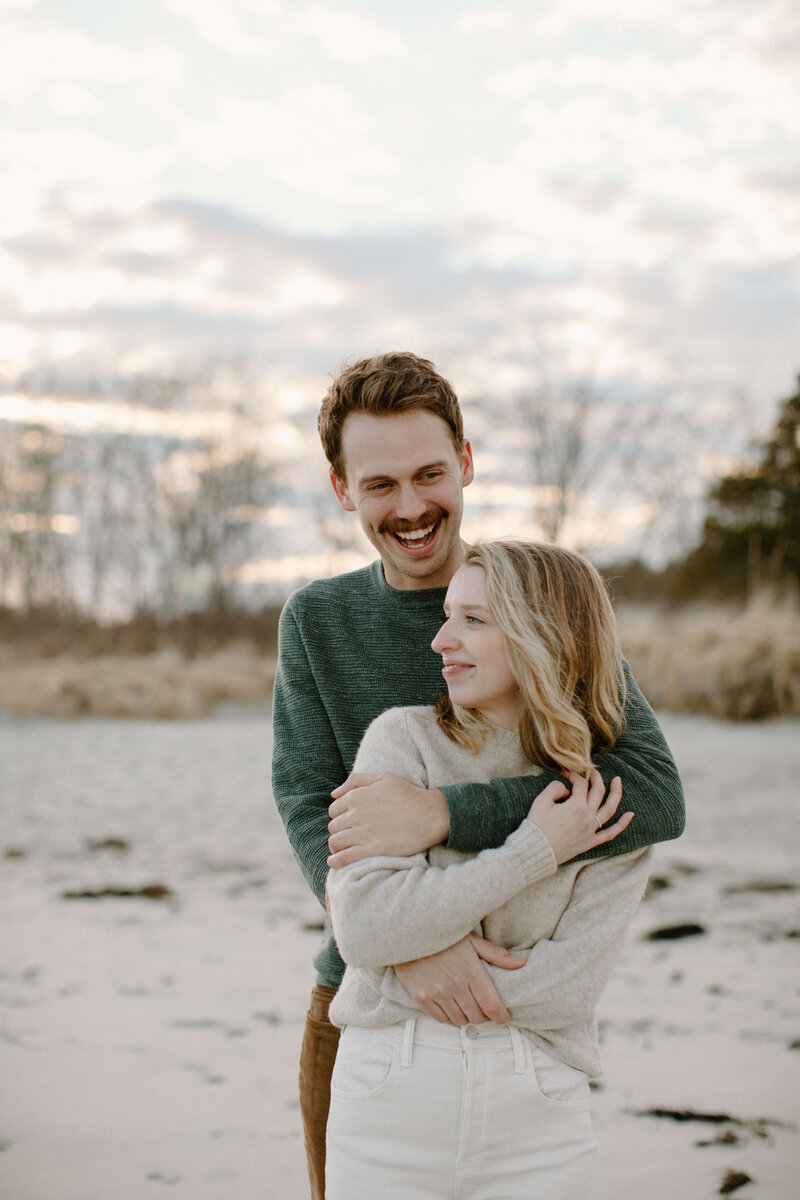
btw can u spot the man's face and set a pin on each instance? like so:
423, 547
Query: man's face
404, 478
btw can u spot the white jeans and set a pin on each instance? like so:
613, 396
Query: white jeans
422, 1111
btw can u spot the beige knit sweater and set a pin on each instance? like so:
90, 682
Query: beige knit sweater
568, 923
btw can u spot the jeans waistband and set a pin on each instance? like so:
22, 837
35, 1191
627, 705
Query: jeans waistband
425, 1031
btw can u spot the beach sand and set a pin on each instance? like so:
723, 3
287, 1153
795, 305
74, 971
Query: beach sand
149, 1040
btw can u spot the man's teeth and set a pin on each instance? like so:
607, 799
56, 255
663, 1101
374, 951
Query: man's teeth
418, 535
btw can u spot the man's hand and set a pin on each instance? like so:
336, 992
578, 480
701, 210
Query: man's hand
381, 814
454, 987
576, 824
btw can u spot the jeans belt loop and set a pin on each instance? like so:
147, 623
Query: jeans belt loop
407, 1052
519, 1050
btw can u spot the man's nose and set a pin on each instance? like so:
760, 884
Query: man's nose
410, 504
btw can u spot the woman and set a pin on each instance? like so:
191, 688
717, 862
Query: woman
421, 1108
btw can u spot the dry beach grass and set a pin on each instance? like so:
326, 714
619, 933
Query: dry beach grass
738, 664
163, 684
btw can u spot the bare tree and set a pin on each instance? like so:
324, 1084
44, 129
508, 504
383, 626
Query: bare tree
162, 513
35, 527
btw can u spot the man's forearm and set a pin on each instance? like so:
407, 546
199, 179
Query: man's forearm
483, 815
384, 816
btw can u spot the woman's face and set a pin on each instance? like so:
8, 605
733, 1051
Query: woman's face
473, 653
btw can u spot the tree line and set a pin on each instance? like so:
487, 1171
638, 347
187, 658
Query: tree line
750, 538
161, 522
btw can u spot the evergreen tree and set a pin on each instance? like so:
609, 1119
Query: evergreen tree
751, 536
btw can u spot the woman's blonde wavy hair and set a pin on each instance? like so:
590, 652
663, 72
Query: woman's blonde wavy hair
561, 644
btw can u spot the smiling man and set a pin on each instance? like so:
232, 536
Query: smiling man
409, 509
360, 643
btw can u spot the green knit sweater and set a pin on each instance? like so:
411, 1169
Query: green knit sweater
350, 647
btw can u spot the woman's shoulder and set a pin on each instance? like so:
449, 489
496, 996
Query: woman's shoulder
408, 717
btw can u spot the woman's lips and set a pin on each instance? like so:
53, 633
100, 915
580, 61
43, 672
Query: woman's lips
452, 669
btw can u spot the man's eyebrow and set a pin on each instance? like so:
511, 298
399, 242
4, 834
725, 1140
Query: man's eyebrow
364, 479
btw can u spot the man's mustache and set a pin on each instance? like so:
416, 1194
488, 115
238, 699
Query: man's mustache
432, 517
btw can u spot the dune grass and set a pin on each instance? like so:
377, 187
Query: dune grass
162, 684
739, 664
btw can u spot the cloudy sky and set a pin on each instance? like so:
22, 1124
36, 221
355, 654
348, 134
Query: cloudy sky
612, 189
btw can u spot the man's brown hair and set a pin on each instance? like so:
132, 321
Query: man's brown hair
382, 386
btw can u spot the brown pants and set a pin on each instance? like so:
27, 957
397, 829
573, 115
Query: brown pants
317, 1057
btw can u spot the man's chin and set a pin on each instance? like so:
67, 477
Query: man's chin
414, 566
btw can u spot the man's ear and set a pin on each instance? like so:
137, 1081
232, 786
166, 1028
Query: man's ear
467, 465
340, 488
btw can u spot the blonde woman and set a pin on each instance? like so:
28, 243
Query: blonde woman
422, 1108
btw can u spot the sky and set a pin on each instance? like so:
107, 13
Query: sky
599, 191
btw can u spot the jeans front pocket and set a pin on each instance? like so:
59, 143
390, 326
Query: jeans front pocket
557, 1081
366, 1061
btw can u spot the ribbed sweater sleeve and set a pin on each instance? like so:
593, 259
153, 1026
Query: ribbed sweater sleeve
392, 910
306, 762
565, 975
483, 815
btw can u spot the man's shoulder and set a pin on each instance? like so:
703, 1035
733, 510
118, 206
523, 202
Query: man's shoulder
349, 586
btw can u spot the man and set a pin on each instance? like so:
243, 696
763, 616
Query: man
357, 644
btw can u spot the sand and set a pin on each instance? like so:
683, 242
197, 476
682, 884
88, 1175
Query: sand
149, 1041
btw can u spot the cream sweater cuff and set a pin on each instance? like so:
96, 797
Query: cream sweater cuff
530, 853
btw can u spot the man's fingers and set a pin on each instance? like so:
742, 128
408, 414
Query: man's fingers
356, 780
343, 858
338, 808
340, 840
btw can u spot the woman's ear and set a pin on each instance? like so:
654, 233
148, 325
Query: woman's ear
340, 488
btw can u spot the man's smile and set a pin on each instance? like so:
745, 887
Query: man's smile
418, 539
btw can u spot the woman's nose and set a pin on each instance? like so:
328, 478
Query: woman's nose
443, 639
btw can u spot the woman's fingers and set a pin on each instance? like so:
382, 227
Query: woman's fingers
608, 835
611, 803
554, 792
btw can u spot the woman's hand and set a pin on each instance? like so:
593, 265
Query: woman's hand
576, 824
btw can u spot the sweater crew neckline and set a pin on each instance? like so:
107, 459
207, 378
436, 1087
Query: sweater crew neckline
418, 598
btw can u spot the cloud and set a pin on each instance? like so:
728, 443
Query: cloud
236, 26
470, 180
313, 139
184, 283
352, 37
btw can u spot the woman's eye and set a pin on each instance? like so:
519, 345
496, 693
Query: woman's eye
473, 620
